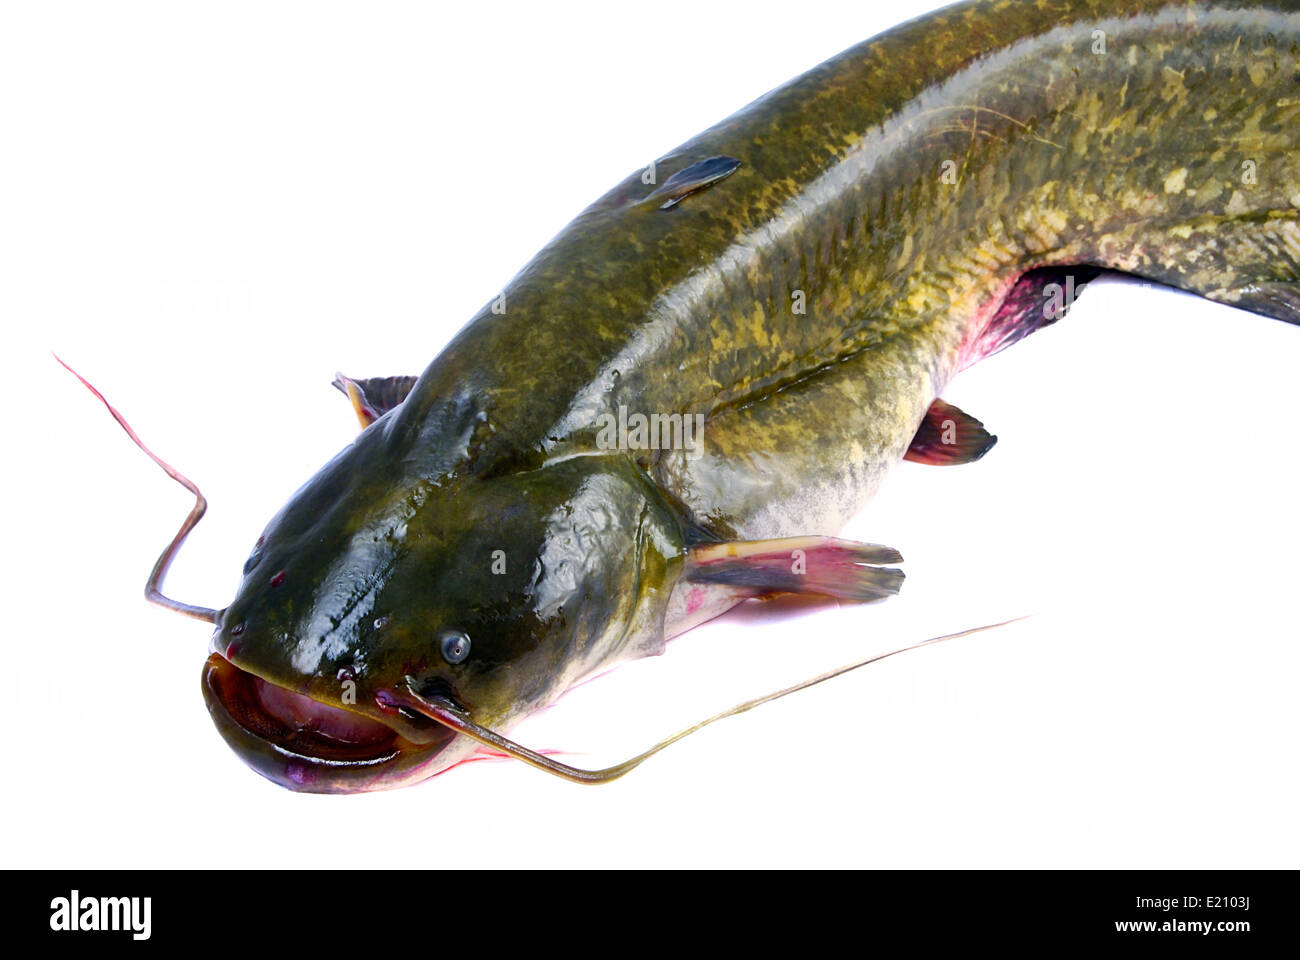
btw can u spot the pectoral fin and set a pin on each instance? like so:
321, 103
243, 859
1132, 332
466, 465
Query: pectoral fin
818, 565
948, 436
373, 398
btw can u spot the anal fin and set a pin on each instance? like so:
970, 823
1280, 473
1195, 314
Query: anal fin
1037, 299
1276, 299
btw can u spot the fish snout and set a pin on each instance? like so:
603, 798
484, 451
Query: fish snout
307, 745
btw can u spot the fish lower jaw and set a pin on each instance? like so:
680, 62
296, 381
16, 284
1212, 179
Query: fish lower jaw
312, 747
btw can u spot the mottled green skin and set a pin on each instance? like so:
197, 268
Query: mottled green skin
1055, 154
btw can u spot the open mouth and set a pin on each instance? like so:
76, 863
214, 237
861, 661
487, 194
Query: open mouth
306, 745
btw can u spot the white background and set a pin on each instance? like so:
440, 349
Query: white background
208, 210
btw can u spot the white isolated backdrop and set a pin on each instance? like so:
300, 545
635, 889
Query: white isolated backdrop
208, 210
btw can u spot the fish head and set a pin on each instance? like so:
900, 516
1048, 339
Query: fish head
372, 588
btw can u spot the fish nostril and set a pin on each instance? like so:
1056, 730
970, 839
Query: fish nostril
238, 629
255, 557
439, 688
277, 579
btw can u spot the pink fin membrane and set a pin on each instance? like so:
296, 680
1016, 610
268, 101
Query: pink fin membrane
949, 436
844, 569
1037, 299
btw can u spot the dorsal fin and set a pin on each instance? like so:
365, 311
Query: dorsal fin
698, 176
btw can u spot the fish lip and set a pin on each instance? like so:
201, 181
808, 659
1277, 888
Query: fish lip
313, 763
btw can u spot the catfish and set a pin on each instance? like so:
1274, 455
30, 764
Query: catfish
802, 281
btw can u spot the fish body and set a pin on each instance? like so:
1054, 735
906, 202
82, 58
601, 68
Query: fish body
803, 279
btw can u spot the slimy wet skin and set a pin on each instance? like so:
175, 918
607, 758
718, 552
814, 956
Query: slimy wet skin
801, 281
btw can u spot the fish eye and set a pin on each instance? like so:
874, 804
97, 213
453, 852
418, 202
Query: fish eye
454, 645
